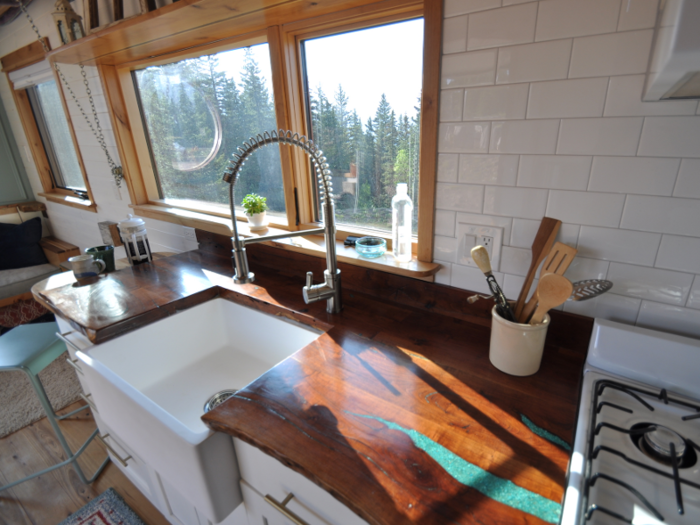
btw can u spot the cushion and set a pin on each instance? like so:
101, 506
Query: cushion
20, 280
19, 245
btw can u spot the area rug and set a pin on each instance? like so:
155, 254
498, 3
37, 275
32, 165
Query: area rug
19, 404
106, 509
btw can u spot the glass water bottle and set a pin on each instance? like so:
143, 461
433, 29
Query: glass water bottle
402, 219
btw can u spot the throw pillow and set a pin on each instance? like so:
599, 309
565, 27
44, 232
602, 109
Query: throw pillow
19, 245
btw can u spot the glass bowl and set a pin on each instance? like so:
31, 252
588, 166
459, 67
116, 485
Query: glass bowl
370, 247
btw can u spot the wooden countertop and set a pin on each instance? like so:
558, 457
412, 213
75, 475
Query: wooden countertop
396, 409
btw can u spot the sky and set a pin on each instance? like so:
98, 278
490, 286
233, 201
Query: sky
367, 63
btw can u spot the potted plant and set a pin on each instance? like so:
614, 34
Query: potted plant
255, 208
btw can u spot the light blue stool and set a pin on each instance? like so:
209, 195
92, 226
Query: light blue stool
31, 348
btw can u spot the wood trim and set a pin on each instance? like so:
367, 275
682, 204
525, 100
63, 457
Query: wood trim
72, 201
24, 207
7, 301
25, 56
432, 46
123, 134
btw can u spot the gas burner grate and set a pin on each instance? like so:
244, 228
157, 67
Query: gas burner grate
636, 433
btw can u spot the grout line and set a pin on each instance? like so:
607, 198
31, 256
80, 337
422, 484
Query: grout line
675, 183
605, 100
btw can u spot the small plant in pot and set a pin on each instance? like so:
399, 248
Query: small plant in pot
255, 208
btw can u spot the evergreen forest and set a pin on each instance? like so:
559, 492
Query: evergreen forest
197, 115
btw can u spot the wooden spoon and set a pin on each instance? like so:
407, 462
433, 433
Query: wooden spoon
552, 291
540, 248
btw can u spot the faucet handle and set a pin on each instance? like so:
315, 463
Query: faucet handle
309, 279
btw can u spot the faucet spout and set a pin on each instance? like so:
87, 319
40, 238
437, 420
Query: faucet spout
330, 289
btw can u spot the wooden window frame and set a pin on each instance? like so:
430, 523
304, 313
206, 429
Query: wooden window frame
23, 57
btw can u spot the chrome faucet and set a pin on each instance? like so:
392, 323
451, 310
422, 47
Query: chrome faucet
330, 288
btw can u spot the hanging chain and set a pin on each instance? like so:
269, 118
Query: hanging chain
117, 171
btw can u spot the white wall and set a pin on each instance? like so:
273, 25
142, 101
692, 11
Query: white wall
541, 115
70, 224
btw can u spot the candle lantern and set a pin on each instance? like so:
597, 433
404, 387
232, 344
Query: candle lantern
68, 22
133, 234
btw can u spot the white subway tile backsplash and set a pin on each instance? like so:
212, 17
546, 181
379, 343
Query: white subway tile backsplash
533, 62
454, 35
612, 54
445, 249
582, 269
670, 137
567, 98
468, 278
694, 297
667, 318
645, 175
688, 182
625, 100
653, 284
502, 27
662, 214
451, 105
589, 208
459, 197
679, 253
515, 202
567, 18
515, 261
447, 167
444, 273
599, 136
461, 7
487, 220
500, 170
524, 136
607, 306
563, 172
444, 223
495, 102
610, 244
467, 137
637, 14
477, 68
513, 2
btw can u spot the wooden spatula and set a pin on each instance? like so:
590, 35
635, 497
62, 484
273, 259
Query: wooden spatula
552, 291
540, 248
558, 261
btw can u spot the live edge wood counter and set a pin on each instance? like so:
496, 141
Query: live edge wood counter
391, 404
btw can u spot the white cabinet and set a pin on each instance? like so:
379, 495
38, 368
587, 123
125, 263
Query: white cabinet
264, 476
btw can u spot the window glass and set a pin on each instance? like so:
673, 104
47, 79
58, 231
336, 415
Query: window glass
197, 112
58, 143
363, 91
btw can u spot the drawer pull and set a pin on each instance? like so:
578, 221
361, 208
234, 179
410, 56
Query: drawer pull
63, 338
72, 362
90, 403
114, 452
282, 507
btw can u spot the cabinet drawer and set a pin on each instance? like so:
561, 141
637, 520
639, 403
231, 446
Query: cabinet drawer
74, 341
260, 512
267, 476
129, 463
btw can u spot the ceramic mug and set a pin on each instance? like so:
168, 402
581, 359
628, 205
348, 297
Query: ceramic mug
85, 266
104, 253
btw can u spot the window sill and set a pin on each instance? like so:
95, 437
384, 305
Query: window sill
311, 245
69, 200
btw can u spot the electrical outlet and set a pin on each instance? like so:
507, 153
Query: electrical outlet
470, 235
189, 233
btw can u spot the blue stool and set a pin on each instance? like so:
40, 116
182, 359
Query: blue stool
31, 348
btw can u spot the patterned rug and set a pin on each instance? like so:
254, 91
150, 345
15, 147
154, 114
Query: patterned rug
106, 509
21, 312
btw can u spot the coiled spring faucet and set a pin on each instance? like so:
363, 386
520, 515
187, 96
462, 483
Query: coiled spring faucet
330, 288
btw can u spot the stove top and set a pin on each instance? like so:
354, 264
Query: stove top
637, 443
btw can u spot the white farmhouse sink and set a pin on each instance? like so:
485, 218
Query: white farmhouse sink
150, 387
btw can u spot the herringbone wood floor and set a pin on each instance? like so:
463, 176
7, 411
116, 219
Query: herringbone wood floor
50, 498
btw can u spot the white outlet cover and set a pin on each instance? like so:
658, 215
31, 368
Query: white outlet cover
468, 236
189, 233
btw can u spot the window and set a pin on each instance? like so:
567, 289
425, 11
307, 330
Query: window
56, 138
362, 94
196, 112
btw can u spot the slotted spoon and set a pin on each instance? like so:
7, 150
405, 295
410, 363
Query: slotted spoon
590, 288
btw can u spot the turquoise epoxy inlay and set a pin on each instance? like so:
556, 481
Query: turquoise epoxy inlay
545, 434
499, 489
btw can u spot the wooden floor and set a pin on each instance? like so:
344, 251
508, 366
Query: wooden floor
50, 498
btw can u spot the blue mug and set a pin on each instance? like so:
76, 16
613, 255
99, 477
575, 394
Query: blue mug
86, 267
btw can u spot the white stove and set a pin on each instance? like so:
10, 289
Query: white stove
636, 454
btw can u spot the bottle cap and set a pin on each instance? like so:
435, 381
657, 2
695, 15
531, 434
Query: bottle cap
402, 188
